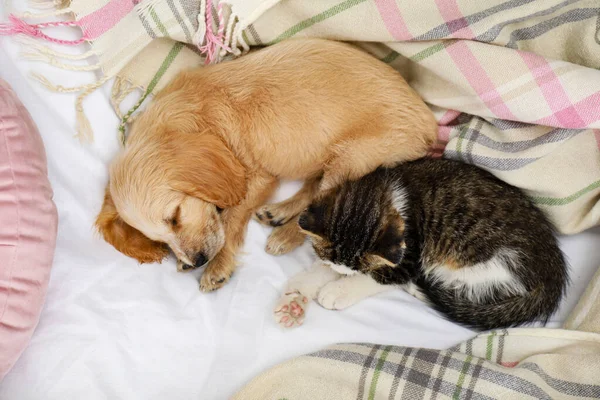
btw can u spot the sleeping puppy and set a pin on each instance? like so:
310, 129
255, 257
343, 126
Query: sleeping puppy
212, 145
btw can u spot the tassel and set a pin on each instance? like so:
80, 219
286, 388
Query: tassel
85, 134
17, 26
58, 64
84, 128
121, 89
55, 13
32, 44
47, 4
145, 7
213, 42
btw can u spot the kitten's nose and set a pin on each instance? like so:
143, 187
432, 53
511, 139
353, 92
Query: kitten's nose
200, 260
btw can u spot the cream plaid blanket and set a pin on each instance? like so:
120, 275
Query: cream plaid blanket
520, 363
514, 83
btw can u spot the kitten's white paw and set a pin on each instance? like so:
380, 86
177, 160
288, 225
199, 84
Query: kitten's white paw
290, 309
336, 296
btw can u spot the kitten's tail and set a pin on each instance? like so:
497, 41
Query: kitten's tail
536, 305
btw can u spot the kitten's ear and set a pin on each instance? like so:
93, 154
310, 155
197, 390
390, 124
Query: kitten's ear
311, 221
390, 243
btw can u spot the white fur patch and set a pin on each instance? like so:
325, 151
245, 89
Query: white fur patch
399, 200
478, 281
309, 282
340, 268
415, 291
349, 290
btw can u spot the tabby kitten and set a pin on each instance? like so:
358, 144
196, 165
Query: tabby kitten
474, 247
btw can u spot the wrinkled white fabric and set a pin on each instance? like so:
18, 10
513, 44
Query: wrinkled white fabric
112, 329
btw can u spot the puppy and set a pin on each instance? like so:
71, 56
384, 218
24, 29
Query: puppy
212, 145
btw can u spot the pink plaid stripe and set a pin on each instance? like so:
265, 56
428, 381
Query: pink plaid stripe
472, 70
394, 23
565, 115
444, 129
587, 109
455, 21
103, 19
444, 134
448, 117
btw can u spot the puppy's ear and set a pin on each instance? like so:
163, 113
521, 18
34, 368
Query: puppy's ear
125, 238
205, 168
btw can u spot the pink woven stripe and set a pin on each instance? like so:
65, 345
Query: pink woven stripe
448, 117
587, 110
390, 14
478, 79
455, 21
444, 133
556, 97
443, 128
100, 21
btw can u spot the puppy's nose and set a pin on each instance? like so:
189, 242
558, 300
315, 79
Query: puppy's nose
200, 260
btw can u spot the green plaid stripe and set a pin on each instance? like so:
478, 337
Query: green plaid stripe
561, 201
414, 371
377, 372
159, 74
302, 25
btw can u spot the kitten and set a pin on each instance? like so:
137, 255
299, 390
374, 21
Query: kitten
474, 247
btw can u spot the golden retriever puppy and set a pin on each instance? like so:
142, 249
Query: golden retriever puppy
211, 146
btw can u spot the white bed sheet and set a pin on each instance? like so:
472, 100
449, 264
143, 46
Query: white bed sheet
112, 329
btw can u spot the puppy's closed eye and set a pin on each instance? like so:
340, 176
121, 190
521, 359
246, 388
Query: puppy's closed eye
174, 219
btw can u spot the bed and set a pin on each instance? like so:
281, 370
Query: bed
113, 329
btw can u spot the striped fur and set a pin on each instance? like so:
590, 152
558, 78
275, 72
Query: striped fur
474, 247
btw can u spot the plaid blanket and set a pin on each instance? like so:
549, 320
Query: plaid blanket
514, 83
520, 363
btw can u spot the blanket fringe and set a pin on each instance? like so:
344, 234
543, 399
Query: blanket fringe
48, 14
83, 127
58, 64
145, 7
48, 4
16, 26
121, 89
213, 42
34, 45
238, 38
85, 134
129, 117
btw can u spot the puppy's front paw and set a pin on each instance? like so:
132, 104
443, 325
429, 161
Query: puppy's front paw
273, 214
336, 296
214, 278
183, 267
290, 309
284, 239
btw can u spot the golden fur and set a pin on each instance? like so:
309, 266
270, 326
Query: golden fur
222, 136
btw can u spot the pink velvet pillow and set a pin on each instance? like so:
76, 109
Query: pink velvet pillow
28, 223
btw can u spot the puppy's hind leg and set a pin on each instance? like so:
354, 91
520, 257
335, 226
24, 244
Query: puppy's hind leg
279, 214
358, 157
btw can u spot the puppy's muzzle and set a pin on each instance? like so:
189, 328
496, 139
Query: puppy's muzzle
199, 261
